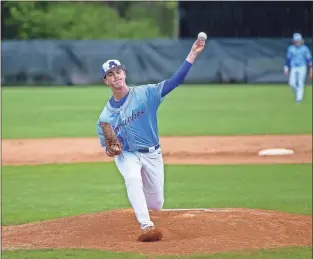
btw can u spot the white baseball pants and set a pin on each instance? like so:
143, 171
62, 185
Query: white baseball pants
143, 174
297, 79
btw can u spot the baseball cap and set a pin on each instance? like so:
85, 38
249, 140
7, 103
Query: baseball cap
297, 37
109, 65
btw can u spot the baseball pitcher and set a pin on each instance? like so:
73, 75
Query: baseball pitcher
128, 130
298, 61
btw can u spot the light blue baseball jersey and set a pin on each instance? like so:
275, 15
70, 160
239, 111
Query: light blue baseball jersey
135, 122
298, 56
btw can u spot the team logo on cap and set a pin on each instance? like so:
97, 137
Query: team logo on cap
112, 64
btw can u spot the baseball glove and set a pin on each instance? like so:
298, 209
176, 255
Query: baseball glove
114, 147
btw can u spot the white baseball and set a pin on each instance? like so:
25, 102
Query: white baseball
202, 36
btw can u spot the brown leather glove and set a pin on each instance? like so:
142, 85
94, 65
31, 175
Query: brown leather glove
114, 147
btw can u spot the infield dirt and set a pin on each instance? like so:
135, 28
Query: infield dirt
176, 150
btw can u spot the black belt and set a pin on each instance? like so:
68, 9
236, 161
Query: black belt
147, 150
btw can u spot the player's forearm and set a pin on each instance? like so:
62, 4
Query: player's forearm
179, 76
177, 79
191, 58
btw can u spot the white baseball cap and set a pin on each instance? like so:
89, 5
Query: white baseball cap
297, 37
109, 65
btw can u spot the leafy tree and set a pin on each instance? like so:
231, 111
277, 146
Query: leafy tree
83, 20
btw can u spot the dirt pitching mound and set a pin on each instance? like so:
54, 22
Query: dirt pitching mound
176, 150
185, 232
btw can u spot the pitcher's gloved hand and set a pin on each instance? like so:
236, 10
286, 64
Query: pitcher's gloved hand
114, 147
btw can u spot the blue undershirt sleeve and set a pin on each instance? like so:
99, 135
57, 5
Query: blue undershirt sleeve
176, 79
288, 58
287, 62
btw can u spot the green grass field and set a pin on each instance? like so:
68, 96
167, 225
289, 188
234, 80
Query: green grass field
287, 253
196, 110
35, 193
52, 191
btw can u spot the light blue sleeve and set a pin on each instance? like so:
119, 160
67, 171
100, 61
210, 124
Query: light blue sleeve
154, 94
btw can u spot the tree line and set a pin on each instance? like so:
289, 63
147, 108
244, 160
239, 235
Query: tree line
88, 20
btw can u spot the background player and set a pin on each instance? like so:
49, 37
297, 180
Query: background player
298, 58
132, 113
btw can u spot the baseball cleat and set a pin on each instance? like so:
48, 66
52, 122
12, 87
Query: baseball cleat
150, 234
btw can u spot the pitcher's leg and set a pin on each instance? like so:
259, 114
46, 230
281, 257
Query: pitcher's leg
153, 179
130, 167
